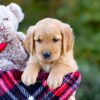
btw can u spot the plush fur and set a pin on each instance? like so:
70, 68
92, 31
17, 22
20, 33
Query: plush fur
14, 54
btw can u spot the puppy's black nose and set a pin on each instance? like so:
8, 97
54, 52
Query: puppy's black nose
46, 54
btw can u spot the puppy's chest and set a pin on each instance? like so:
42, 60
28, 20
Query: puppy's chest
47, 67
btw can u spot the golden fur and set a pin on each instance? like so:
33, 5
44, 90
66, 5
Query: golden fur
57, 37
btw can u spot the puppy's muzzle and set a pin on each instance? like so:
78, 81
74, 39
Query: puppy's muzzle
46, 54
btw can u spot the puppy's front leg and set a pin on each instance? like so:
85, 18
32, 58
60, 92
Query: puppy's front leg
30, 74
57, 74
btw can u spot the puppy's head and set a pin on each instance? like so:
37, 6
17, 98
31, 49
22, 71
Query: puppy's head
49, 39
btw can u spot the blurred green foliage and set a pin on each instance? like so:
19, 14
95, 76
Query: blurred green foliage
84, 17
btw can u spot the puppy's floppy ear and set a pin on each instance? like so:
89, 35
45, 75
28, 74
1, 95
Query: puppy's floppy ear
29, 40
67, 38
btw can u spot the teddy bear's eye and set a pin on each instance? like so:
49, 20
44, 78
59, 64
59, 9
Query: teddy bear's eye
5, 19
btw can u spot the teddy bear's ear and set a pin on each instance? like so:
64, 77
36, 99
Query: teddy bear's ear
16, 10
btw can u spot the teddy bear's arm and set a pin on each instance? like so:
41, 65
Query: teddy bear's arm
6, 65
21, 36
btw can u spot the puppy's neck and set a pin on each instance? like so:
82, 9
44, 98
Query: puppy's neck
46, 66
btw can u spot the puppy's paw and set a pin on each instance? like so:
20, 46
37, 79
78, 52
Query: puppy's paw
29, 77
54, 81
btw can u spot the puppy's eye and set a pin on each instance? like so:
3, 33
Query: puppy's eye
5, 19
55, 40
39, 40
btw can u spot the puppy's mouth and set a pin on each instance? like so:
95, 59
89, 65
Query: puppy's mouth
46, 60
47, 57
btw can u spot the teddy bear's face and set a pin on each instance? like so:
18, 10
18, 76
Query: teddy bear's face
8, 23
8, 20
10, 16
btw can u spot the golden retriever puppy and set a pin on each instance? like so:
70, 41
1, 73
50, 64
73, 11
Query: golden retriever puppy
50, 44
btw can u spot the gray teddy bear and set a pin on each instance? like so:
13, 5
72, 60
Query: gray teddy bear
12, 52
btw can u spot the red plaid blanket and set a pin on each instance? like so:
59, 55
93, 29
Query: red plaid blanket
11, 88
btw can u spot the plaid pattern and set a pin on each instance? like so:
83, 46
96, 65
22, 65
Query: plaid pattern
11, 88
